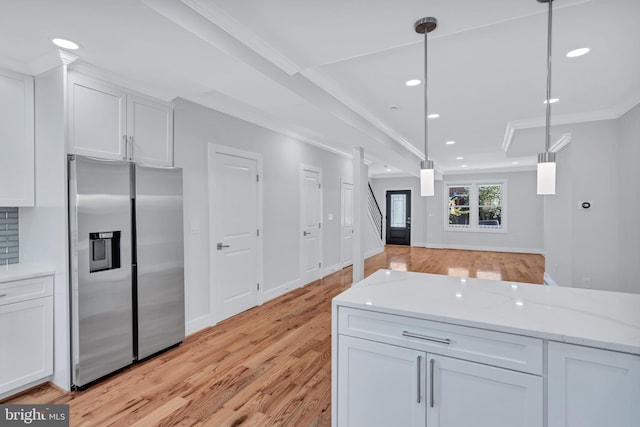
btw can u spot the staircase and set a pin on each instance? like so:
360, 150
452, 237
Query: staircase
375, 214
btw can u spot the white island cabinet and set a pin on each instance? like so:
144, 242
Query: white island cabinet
26, 332
416, 349
110, 122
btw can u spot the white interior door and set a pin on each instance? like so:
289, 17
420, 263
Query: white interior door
310, 219
234, 211
346, 224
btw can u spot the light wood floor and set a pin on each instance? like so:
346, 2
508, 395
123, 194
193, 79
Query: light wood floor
267, 366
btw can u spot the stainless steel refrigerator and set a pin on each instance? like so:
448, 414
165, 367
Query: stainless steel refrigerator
127, 264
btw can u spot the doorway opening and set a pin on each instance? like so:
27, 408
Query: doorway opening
398, 217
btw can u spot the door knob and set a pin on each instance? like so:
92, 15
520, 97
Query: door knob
220, 246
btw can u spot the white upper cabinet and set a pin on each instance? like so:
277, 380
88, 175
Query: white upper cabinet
16, 140
150, 131
97, 118
108, 122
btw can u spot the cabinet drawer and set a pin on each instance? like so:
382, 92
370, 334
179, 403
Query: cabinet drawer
22, 290
479, 345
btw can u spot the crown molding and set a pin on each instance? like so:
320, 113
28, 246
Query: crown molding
565, 119
67, 57
238, 109
140, 87
564, 139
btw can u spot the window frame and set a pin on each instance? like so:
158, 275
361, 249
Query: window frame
474, 206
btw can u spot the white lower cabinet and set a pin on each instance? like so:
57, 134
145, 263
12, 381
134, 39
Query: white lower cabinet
380, 384
591, 387
26, 333
463, 393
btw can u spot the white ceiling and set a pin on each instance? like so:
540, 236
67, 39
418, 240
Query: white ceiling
326, 72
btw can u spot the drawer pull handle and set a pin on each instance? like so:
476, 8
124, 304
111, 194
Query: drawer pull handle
419, 376
426, 337
432, 399
3, 295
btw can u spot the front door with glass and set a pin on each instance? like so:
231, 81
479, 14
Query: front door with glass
399, 217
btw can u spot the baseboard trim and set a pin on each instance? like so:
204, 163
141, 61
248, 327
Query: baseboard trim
199, 323
331, 269
373, 252
280, 290
485, 248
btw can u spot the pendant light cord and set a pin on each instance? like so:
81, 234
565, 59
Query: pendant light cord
547, 137
426, 114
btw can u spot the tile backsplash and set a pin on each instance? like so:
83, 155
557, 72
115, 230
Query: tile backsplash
9, 236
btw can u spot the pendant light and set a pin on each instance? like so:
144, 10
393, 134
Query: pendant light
427, 177
547, 160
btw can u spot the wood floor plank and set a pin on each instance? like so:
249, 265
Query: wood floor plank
267, 366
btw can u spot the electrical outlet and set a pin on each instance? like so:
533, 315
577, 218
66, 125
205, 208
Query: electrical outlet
586, 282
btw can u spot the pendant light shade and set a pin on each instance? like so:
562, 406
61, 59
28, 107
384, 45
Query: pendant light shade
547, 160
546, 173
427, 175
427, 179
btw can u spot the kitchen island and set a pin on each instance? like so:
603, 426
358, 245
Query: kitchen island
417, 349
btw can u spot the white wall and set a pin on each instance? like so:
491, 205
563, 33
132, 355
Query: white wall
524, 214
43, 228
596, 247
195, 128
628, 202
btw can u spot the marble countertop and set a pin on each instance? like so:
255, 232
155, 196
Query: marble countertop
609, 320
23, 271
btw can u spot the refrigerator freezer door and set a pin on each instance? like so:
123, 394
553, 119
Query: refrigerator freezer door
100, 202
160, 258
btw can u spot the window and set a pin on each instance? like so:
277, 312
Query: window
398, 212
459, 206
476, 206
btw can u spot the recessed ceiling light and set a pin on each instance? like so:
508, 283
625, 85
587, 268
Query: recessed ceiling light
65, 44
459, 158
433, 116
450, 142
463, 166
515, 163
413, 82
552, 100
393, 107
578, 52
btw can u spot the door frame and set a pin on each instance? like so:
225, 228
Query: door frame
318, 170
343, 181
384, 209
213, 289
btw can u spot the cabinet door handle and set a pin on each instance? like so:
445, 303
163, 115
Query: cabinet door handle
126, 147
3, 295
432, 363
426, 337
419, 375
131, 148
